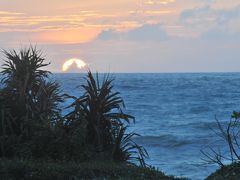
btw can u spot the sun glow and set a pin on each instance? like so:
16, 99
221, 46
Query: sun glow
79, 63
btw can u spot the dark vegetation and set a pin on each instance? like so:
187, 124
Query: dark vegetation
227, 172
228, 160
230, 134
29, 170
90, 141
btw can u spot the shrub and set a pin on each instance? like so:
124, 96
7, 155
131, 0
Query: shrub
29, 100
99, 111
230, 134
29, 170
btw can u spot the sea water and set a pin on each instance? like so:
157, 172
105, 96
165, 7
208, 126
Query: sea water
175, 114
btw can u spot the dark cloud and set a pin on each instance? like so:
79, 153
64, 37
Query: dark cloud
192, 13
147, 32
221, 35
110, 35
206, 13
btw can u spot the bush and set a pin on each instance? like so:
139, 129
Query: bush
230, 172
29, 101
99, 112
36, 170
230, 134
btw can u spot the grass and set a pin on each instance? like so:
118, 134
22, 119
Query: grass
16, 169
230, 172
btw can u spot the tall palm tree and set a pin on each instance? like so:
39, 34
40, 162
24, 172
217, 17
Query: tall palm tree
28, 93
101, 109
22, 77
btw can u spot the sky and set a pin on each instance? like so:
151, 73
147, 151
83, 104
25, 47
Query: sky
127, 35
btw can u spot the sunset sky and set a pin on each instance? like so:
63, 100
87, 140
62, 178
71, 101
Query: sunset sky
128, 35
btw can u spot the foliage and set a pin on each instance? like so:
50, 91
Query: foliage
27, 88
29, 100
230, 134
31, 124
125, 149
99, 111
230, 172
96, 106
29, 170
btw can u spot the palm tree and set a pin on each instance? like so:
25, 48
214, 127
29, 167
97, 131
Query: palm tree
47, 99
22, 77
101, 109
29, 97
125, 149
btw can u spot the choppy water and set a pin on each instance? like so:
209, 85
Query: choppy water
174, 114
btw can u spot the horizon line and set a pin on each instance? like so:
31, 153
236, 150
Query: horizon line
197, 72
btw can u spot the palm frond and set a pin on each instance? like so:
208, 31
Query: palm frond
102, 108
125, 149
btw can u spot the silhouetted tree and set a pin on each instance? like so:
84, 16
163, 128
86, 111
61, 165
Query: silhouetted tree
29, 99
100, 110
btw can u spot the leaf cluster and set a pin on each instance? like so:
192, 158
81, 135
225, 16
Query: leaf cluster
32, 124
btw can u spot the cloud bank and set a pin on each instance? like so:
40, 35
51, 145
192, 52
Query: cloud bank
147, 32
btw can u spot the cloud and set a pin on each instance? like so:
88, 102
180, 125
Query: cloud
154, 2
7, 13
147, 32
213, 23
13, 21
199, 16
209, 14
221, 35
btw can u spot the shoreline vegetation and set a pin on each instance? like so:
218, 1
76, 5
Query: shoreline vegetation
48, 170
39, 141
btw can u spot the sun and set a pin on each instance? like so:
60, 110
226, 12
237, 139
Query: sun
80, 64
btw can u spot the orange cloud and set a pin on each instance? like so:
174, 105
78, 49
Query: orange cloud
67, 36
152, 2
4, 13
81, 22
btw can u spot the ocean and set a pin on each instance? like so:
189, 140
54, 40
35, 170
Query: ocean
175, 114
